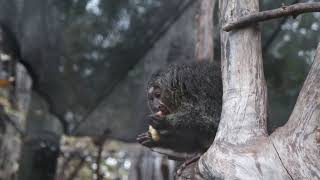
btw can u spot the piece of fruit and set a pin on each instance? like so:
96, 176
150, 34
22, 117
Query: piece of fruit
154, 134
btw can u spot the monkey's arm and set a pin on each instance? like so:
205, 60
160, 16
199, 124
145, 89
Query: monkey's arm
189, 117
170, 139
189, 129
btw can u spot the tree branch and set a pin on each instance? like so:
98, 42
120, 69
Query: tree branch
204, 31
243, 114
298, 138
307, 109
293, 10
276, 31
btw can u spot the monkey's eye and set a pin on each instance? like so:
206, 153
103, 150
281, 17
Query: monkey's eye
157, 94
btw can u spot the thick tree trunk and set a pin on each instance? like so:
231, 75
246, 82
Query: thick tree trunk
242, 148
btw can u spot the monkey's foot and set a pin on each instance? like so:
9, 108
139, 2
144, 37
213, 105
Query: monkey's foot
185, 164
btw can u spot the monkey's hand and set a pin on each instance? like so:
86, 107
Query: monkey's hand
160, 131
159, 123
146, 139
154, 138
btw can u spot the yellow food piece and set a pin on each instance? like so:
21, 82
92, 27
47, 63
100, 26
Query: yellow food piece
154, 134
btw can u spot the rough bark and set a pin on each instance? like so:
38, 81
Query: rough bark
298, 142
242, 149
276, 31
243, 79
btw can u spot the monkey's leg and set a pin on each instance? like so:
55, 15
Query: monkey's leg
193, 159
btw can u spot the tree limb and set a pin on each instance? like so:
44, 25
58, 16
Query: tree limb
298, 139
307, 108
243, 114
204, 31
293, 10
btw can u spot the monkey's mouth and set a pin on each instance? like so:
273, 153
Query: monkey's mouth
164, 110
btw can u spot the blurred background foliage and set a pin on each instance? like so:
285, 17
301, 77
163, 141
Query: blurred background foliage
103, 37
99, 42
287, 58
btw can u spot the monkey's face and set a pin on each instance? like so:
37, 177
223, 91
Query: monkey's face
157, 100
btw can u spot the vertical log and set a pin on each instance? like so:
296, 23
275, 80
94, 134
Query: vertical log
241, 149
244, 89
204, 31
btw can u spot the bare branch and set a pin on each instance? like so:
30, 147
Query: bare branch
244, 89
204, 30
298, 139
307, 109
293, 10
98, 161
276, 31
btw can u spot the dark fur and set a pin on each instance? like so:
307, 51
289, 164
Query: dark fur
193, 93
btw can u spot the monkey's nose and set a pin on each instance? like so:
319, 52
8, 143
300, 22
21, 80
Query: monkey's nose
164, 110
